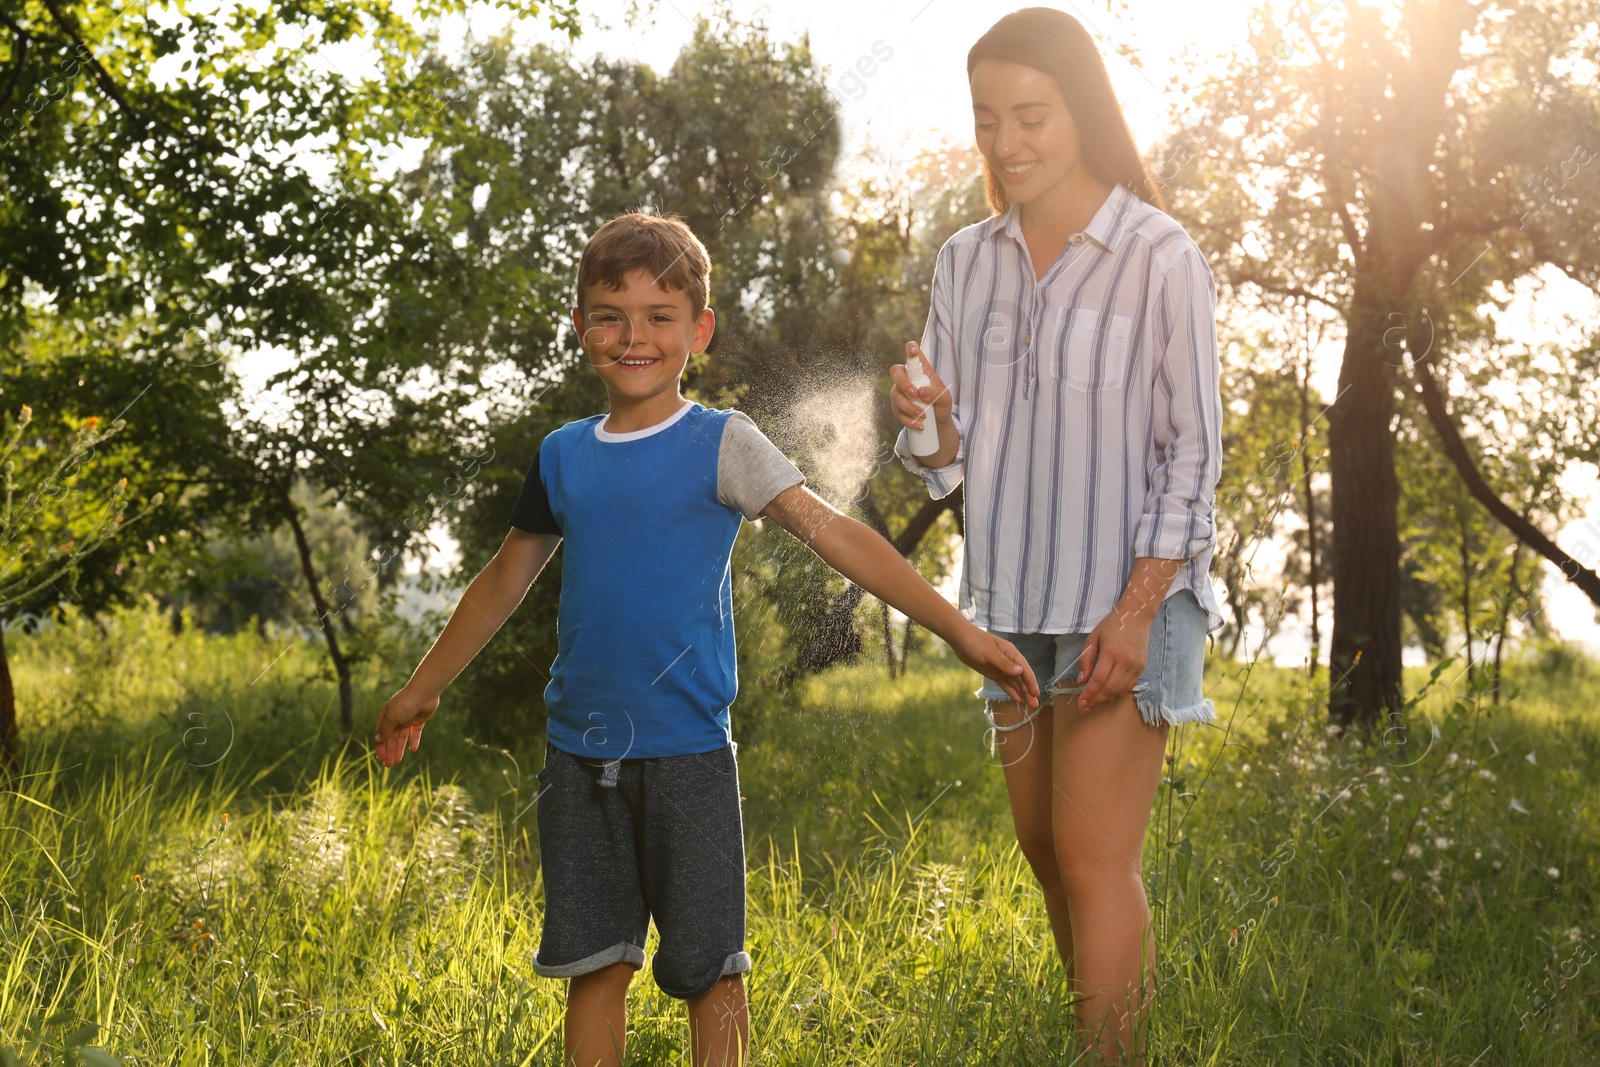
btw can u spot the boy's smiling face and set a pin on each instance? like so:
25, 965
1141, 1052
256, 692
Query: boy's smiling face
639, 337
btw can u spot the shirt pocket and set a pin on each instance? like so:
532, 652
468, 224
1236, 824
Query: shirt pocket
1093, 349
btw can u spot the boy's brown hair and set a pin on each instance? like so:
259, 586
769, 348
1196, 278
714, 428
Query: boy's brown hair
661, 245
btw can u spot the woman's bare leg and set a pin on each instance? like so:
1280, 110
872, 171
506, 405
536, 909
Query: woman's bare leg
1027, 756
1107, 767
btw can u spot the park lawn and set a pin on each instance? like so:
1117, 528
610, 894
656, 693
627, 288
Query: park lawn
194, 873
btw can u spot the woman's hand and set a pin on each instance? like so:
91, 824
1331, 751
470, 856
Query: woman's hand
906, 400
400, 722
1115, 652
998, 659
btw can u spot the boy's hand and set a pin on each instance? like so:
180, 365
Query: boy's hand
998, 659
400, 721
907, 401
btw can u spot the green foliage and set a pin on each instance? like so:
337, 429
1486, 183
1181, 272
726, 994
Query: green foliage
57, 505
182, 186
1273, 435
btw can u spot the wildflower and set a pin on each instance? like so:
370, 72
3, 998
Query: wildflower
1486, 774
1414, 850
1477, 854
1516, 806
1398, 875
1441, 843
91, 422
1553, 872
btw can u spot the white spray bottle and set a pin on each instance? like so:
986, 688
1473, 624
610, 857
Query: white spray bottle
924, 442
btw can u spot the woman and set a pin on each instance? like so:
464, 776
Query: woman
1072, 356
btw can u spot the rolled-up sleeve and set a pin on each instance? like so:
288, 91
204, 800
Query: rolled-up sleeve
1179, 521
938, 343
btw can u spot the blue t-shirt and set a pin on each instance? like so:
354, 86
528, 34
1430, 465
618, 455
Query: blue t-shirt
645, 660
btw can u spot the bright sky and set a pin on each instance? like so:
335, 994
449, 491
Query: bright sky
898, 69
912, 85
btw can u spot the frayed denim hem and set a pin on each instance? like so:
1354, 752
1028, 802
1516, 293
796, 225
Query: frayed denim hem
1154, 713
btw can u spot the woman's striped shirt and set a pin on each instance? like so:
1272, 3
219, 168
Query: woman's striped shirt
1089, 410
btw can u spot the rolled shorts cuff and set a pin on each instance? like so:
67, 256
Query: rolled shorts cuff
735, 963
622, 952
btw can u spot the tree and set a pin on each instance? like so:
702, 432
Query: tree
160, 206
56, 510
1386, 171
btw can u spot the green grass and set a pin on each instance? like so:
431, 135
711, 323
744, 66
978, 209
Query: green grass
192, 866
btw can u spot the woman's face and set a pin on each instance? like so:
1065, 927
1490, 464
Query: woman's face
1023, 127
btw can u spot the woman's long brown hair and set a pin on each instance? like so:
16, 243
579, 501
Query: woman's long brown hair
1055, 43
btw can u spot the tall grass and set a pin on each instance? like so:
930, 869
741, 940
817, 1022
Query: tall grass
195, 871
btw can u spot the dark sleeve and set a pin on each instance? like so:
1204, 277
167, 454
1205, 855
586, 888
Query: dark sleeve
532, 512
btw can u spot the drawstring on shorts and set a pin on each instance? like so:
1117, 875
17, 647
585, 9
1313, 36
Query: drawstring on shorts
996, 728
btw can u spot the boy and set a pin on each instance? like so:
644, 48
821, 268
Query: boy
638, 809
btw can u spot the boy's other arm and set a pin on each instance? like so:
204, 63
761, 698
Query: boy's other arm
859, 553
491, 598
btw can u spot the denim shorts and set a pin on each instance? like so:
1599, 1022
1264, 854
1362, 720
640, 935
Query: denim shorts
623, 842
1169, 690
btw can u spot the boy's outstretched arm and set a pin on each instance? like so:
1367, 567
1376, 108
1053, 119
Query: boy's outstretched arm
491, 598
859, 553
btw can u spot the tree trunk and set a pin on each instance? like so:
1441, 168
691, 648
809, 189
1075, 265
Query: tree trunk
836, 638
340, 665
1466, 597
1364, 663
10, 755
1513, 594
1311, 513
888, 638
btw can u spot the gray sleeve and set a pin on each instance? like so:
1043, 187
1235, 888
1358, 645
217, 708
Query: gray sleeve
750, 468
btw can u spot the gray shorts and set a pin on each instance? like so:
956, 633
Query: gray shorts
1169, 690
664, 842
